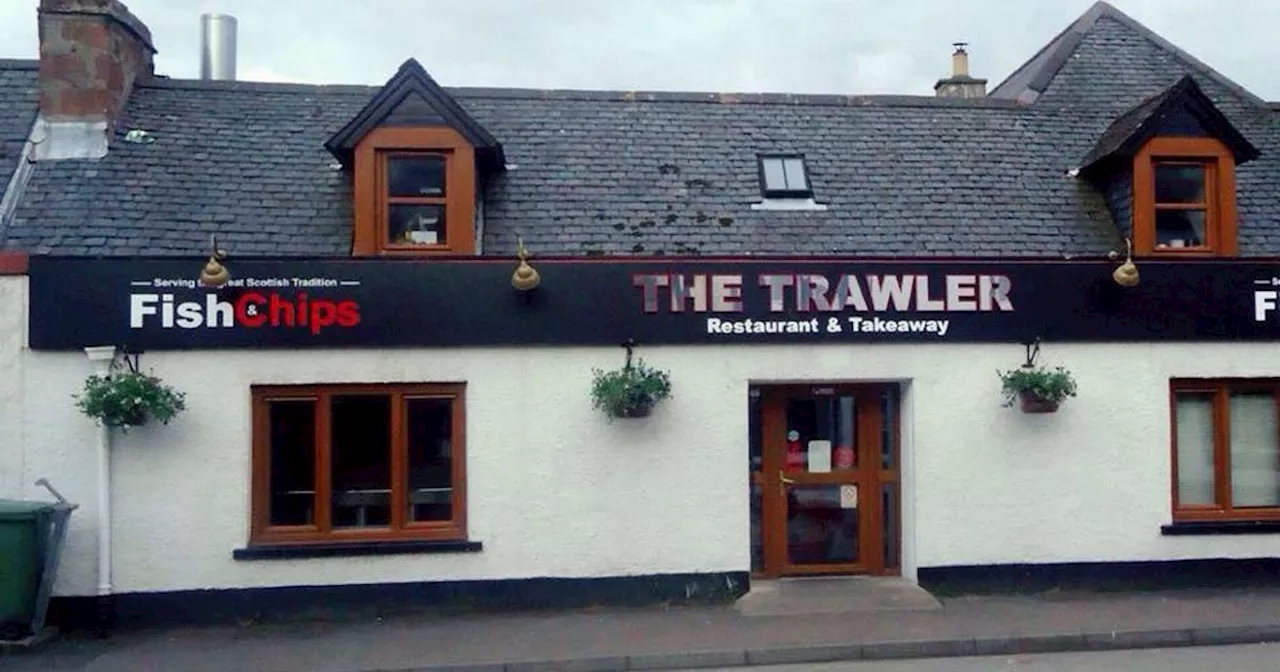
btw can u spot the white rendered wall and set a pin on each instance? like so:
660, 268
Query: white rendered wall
554, 489
13, 332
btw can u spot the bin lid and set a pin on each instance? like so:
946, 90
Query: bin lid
17, 509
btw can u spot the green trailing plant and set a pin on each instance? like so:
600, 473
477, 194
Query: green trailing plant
122, 399
631, 391
1037, 385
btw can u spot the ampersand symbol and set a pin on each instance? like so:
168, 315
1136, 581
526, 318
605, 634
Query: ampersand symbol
833, 325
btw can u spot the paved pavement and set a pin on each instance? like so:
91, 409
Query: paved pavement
1239, 658
676, 638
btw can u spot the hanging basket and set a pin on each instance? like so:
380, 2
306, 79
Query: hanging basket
129, 398
1034, 403
631, 391
1036, 389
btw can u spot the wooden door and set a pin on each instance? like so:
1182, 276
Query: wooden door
826, 479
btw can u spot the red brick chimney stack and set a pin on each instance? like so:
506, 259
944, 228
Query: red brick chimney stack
92, 52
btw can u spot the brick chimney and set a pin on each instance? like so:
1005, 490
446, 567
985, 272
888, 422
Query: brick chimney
960, 84
92, 52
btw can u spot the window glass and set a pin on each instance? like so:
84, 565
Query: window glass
416, 176
416, 224
1195, 448
1180, 228
794, 171
430, 466
1255, 456
293, 461
775, 178
1178, 183
360, 460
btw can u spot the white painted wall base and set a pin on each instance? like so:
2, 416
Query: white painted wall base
556, 490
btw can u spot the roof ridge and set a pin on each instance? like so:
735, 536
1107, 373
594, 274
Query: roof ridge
605, 95
19, 63
1056, 52
1033, 77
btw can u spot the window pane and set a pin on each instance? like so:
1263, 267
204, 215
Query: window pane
1180, 228
416, 224
1255, 457
794, 170
888, 422
293, 461
1195, 448
822, 524
430, 464
889, 522
415, 176
824, 434
360, 460
1179, 183
774, 177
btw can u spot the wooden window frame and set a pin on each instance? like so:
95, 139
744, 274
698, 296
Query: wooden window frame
1221, 226
1220, 388
370, 195
321, 532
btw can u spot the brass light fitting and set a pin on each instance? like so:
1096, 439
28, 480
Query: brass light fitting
1126, 274
214, 273
525, 278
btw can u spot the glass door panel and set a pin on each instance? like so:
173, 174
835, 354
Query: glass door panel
822, 524
821, 434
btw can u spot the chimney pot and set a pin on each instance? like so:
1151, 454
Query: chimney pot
217, 46
960, 84
960, 61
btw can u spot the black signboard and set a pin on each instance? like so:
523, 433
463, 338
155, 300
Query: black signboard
158, 304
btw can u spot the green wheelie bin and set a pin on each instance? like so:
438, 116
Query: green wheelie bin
31, 534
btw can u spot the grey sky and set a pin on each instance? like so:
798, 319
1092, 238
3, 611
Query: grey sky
804, 46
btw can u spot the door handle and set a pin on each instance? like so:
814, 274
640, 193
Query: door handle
784, 479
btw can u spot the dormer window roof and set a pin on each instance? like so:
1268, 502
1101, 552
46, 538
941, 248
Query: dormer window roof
411, 98
419, 163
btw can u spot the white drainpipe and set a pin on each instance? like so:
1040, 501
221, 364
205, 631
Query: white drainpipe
103, 356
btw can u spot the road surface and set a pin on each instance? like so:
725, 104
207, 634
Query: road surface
1243, 658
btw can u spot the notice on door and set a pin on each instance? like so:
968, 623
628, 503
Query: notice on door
848, 496
819, 456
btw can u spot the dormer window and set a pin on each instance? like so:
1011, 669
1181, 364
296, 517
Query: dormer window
415, 192
784, 176
420, 163
1167, 168
1184, 200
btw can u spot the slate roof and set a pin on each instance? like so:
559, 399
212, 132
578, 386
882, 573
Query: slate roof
598, 172
17, 111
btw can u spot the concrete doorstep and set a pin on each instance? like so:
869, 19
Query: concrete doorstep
939, 648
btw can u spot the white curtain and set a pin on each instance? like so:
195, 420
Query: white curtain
1255, 455
1195, 448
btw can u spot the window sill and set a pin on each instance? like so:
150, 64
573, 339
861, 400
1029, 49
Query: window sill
1205, 527
789, 204
357, 548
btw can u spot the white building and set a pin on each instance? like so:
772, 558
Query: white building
831, 283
